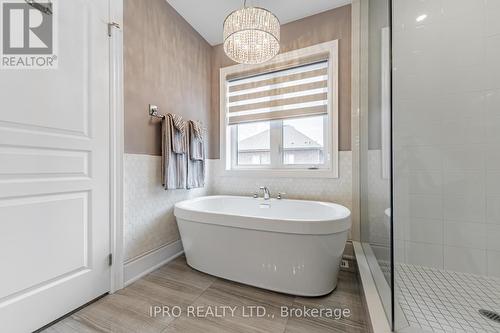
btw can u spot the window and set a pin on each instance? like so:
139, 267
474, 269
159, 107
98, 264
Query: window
282, 117
254, 144
303, 141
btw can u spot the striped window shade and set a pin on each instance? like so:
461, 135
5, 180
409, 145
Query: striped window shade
285, 91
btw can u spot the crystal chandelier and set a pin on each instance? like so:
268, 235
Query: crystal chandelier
251, 35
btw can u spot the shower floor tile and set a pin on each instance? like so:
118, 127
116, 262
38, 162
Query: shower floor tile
436, 300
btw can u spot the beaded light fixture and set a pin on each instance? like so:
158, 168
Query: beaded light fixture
251, 35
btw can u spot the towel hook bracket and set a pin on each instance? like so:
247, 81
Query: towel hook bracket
153, 111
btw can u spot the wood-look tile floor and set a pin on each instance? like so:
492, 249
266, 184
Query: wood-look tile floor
176, 284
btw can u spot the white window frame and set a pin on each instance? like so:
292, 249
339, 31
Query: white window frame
330, 168
277, 149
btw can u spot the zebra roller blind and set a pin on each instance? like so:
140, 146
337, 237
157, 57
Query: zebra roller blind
294, 91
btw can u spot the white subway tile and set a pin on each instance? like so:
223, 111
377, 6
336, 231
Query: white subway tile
399, 251
493, 263
492, 157
464, 158
423, 110
400, 227
423, 158
425, 231
401, 206
425, 182
470, 235
492, 23
465, 260
426, 206
492, 65
493, 210
493, 183
464, 208
464, 12
409, 85
492, 103
419, 133
464, 183
492, 128
455, 32
463, 130
454, 81
468, 105
424, 254
408, 11
493, 237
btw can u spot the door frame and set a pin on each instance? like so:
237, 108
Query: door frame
116, 129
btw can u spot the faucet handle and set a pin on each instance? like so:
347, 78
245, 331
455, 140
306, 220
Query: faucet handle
280, 195
255, 195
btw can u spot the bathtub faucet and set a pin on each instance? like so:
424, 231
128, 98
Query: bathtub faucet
267, 195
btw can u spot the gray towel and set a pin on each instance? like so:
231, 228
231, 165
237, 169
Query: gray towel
196, 144
196, 153
178, 134
174, 165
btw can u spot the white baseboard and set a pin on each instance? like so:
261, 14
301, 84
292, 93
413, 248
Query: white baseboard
145, 264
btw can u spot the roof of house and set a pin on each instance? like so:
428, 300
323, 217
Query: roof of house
294, 139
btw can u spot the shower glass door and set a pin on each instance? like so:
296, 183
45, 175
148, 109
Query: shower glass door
375, 146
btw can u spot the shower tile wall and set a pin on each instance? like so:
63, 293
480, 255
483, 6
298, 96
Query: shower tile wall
378, 204
447, 134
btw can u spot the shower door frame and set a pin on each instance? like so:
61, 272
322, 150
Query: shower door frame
376, 307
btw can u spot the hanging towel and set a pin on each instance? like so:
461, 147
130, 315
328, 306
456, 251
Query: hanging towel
174, 164
196, 156
196, 144
178, 134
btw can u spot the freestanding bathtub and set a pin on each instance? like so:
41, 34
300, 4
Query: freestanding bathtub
289, 246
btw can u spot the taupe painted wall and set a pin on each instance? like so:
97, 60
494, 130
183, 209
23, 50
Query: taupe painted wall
323, 27
167, 63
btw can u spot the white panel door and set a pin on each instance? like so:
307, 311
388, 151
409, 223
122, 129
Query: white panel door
54, 175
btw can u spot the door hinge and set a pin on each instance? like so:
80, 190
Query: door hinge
110, 259
112, 25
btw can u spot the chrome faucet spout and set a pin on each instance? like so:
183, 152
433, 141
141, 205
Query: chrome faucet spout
267, 194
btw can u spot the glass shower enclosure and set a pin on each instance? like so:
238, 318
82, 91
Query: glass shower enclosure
430, 162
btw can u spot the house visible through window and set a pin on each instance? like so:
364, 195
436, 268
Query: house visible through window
303, 141
283, 116
254, 145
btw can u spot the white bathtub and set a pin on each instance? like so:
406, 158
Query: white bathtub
289, 246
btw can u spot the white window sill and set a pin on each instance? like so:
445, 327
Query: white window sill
280, 173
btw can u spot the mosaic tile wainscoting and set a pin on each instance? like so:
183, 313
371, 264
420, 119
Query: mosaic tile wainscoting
149, 209
149, 219
338, 190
